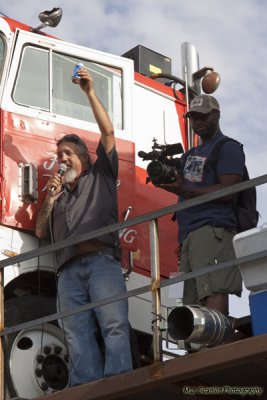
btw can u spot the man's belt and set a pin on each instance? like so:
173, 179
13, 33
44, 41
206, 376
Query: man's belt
105, 251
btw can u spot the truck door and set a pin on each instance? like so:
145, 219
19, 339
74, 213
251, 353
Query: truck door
41, 104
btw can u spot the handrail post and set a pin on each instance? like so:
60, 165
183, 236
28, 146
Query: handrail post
155, 289
2, 382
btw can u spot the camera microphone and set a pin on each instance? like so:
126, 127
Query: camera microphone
142, 154
61, 171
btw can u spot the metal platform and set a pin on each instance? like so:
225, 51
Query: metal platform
227, 370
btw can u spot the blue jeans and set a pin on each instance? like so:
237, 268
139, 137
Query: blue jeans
89, 279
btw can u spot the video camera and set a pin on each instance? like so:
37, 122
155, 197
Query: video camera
161, 168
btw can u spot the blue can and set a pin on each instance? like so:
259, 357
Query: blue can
75, 77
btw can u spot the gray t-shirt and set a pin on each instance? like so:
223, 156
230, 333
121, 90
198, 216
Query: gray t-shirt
91, 205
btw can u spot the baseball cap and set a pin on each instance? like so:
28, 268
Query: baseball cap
203, 104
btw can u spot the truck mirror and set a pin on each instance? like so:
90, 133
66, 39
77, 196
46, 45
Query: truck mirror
49, 18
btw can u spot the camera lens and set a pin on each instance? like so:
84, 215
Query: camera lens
155, 170
160, 172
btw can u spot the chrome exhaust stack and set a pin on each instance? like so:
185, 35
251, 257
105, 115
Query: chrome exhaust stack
198, 325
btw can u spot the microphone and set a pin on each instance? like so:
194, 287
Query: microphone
61, 171
142, 154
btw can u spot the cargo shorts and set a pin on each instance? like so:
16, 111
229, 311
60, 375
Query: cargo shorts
204, 247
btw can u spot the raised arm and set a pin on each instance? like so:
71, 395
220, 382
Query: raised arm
101, 115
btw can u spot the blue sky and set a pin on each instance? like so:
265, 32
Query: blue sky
229, 35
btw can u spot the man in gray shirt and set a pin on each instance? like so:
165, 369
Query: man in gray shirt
80, 201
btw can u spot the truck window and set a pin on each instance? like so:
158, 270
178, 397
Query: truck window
68, 99
32, 83
44, 82
2, 54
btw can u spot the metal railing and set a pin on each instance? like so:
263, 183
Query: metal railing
156, 283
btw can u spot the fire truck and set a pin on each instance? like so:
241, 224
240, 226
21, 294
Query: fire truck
38, 105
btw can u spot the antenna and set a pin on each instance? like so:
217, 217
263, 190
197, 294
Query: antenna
49, 18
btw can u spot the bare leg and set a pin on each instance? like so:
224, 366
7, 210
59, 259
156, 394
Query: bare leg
219, 301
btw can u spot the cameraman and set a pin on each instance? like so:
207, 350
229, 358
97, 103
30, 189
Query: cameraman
206, 231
